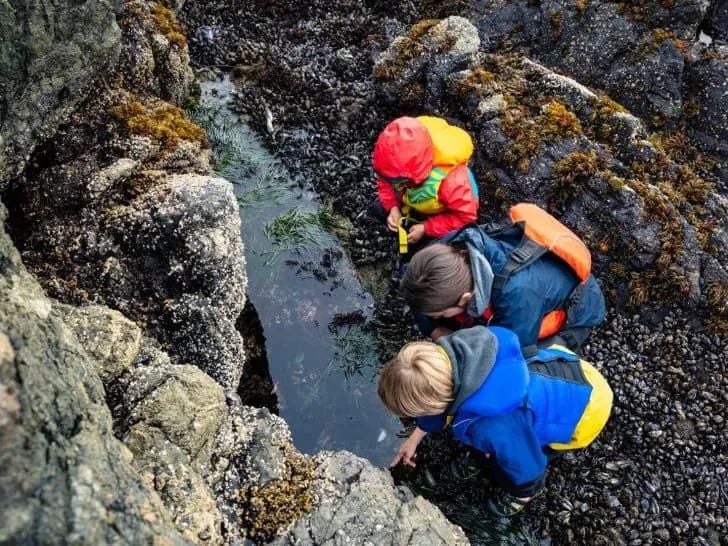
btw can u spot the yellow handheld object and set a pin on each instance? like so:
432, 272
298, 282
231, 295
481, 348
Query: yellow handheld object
402, 239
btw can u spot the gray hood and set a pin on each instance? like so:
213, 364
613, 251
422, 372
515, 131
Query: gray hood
472, 352
482, 282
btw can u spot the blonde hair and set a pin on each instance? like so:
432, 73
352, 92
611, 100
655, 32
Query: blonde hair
418, 381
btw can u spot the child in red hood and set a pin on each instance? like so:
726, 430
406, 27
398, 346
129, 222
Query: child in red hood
421, 165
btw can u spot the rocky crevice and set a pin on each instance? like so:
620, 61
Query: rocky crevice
119, 416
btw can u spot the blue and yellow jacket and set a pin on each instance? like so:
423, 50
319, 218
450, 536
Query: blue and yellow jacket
528, 295
513, 410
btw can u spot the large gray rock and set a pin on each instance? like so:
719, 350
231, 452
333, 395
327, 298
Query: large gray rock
97, 218
165, 250
169, 416
358, 504
107, 336
50, 55
63, 475
181, 403
188, 229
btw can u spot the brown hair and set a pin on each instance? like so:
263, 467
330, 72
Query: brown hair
436, 277
418, 381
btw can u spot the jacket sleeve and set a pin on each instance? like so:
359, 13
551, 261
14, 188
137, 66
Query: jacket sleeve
511, 440
387, 196
456, 194
432, 423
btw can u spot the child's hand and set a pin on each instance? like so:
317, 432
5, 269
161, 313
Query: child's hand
440, 331
416, 233
393, 218
408, 450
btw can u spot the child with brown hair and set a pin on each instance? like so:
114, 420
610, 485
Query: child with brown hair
477, 381
471, 277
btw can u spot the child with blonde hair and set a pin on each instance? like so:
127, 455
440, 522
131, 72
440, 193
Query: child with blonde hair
519, 413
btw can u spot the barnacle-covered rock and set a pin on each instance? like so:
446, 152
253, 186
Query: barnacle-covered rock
154, 57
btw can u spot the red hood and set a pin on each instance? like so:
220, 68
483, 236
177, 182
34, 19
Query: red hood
404, 148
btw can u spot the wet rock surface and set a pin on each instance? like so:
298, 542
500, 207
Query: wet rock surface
50, 56
650, 205
63, 474
119, 207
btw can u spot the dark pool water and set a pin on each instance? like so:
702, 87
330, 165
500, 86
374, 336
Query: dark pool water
322, 351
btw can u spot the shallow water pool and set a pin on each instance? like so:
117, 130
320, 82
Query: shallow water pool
322, 351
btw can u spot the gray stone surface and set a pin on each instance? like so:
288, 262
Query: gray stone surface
169, 417
107, 336
358, 504
165, 250
63, 475
707, 86
189, 227
186, 406
50, 55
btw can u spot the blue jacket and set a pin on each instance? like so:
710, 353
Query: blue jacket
528, 295
501, 409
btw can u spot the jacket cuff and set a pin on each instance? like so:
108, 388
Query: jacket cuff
528, 489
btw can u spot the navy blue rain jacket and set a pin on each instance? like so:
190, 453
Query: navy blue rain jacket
528, 295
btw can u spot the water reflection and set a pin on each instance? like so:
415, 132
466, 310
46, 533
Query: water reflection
321, 346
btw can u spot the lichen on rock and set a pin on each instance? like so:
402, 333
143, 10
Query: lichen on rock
588, 159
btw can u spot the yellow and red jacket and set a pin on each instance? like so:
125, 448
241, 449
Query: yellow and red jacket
422, 166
